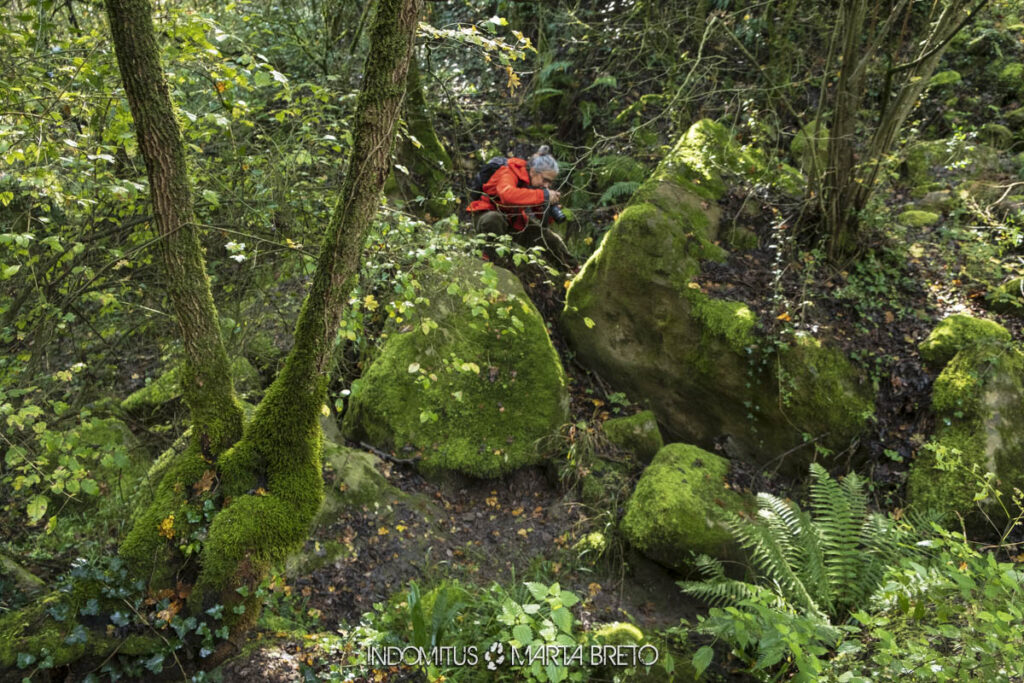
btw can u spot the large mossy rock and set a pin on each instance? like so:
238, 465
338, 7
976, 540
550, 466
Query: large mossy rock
678, 507
959, 332
483, 394
635, 316
978, 400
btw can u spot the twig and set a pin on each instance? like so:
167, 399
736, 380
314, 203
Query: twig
388, 456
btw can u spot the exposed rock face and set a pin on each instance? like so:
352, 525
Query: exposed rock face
678, 507
978, 399
482, 394
635, 316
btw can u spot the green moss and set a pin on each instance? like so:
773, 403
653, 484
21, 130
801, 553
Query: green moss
821, 387
167, 387
922, 157
731, 321
677, 506
159, 391
637, 434
944, 78
1007, 298
807, 156
915, 218
996, 135
1011, 75
32, 630
483, 394
356, 479
618, 633
273, 489
958, 332
977, 399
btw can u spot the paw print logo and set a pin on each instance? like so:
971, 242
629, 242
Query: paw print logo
495, 656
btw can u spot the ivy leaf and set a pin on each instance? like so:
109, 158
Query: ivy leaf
90, 487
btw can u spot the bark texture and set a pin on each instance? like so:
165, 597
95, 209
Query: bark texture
206, 380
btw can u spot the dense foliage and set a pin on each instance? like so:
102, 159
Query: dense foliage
885, 197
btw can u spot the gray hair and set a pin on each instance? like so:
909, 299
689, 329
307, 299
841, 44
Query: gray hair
542, 161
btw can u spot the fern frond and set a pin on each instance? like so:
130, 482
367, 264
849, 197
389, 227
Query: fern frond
770, 557
623, 188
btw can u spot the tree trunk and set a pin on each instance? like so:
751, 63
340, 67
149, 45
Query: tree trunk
426, 159
271, 478
206, 376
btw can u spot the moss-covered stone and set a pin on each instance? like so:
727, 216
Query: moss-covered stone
1010, 76
356, 480
936, 201
809, 147
635, 315
1007, 298
926, 158
637, 434
959, 332
677, 508
996, 135
978, 400
818, 385
483, 394
918, 219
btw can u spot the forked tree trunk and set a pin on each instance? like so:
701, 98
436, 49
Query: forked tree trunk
270, 480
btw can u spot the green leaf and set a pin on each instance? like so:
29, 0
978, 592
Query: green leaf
563, 619
702, 659
538, 590
36, 508
522, 633
90, 487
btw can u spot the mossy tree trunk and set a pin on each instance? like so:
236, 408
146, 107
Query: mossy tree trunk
270, 483
424, 157
271, 478
206, 379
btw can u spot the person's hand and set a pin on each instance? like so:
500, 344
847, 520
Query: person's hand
554, 196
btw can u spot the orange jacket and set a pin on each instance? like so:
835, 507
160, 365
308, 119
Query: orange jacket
509, 191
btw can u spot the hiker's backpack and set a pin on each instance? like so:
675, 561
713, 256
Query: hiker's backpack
476, 188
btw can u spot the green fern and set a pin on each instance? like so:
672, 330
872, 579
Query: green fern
620, 189
821, 563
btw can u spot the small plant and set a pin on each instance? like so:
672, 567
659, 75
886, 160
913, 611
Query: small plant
814, 567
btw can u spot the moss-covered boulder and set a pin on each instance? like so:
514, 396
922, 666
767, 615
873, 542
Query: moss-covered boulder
926, 159
978, 400
637, 434
915, 218
996, 136
635, 316
959, 332
944, 78
677, 509
482, 392
937, 201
